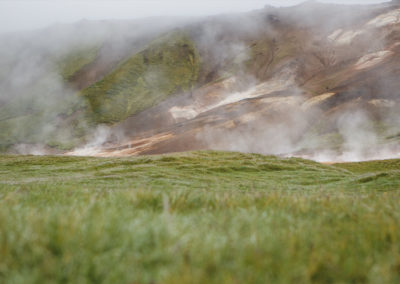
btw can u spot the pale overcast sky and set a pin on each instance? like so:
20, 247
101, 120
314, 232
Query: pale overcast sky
32, 14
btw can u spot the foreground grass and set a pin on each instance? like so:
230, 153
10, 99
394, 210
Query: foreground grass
204, 217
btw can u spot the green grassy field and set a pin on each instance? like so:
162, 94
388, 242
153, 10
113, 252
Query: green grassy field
203, 217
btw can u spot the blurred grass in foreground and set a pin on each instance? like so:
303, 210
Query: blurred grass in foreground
202, 217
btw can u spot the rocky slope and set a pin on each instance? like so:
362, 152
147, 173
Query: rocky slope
314, 80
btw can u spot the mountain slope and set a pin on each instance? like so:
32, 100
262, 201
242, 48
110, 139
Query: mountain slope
165, 67
314, 80
325, 93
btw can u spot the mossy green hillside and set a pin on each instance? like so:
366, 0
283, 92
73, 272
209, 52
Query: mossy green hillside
204, 217
38, 114
75, 60
52, 114
167, 66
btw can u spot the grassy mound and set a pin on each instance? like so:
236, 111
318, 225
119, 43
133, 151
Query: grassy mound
169, 65
204, 217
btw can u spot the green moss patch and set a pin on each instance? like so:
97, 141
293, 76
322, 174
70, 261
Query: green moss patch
74, 61
167, 66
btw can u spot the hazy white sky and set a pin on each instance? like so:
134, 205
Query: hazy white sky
33, 14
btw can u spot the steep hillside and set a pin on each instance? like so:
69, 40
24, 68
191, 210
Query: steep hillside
165, 67
313, 80
293, 88
43, 72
